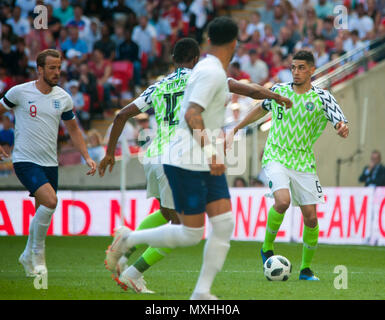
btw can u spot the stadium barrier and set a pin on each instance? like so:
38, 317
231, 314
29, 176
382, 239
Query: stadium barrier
349, 215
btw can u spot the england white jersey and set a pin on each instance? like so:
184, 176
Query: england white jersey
207, 87
37, 118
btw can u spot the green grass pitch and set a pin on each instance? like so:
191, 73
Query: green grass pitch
76, 271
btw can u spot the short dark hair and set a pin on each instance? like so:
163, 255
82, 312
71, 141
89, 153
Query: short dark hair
185, 50
41, 57
304, 55
222, 30
236, 65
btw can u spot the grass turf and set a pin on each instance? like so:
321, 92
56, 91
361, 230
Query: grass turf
76, 271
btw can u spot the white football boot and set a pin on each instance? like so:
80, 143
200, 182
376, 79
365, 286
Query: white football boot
203, 296
26, 262
117, 249
121, 265
136, 285
38, 263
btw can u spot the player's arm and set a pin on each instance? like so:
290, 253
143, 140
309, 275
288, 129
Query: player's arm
194, 119
120, 120
334, 114
80, 144
255, 114
256, 91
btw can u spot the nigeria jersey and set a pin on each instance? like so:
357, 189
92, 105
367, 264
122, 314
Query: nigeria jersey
165, 98
294, 131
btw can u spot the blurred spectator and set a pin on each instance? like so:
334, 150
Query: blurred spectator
373, 174
88, 85
118, 37
79, 103
129, 50
328, 31
338, 47
93, 34
54, 24
320, 55
235, 116
105, 44
128, 133
310, 22
26, 6
8, 57
256, 24
268, 35
80, 21
324, 9
239, 182
19, 24
236, 72
286, 41
279, 20
353, 42
267, 12
7, 133
94, 146
102, 69
374, 13
173, 15
360, 21
256, 68
256, 183
74, 42
255, 41
65, 13
200, 10
243, 35
54, 3
144, 35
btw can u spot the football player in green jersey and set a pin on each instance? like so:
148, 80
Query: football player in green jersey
165, 97
289, 158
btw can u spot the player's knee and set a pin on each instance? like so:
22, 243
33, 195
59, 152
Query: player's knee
282, 205
192, 236
223, 225
51, 202
311, 222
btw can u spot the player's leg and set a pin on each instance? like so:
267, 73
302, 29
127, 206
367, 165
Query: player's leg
279, 183
46, 197
310, 240
190, 198
307, 192
218, 241
41, 182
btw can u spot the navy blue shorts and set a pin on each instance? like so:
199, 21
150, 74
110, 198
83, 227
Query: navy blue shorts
192, 190
33, 176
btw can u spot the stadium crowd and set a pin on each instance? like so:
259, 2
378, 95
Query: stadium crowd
113, 49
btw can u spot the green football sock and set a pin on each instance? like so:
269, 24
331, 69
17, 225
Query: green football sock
153, 220
274, 221
310, 240
150, 257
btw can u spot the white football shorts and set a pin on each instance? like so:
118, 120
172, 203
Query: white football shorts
304, 187
157, 185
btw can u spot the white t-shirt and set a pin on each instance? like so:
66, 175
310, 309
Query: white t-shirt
207, 87
37, 122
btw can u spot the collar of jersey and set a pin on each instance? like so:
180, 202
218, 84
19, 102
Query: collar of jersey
291, 87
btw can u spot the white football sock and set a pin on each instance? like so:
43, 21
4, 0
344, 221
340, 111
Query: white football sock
41, 222
168, 236
132, 272
215, 251
28, 248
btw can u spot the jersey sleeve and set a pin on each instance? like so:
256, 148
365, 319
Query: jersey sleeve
68, 109
10, 99
144, 101
331, 108
206, 86
266, 104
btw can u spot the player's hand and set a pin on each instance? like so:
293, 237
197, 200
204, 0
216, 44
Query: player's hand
3, 154
106, 161
217, 167
92, 164
285, 102
342, 129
